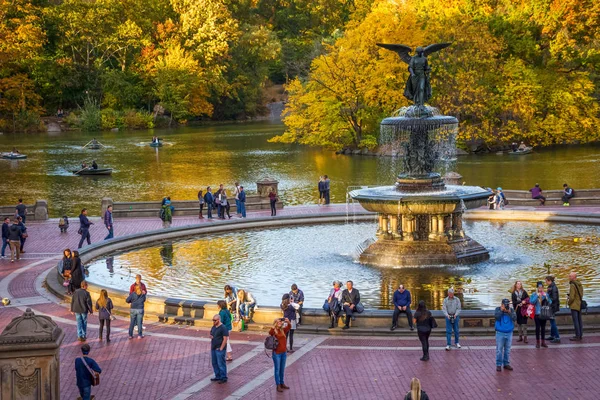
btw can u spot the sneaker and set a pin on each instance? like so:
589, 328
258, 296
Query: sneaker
412, 328
130, 337
550, 338
508, 367
498, 368
448, 348
393, 328
222, 381
141, 337
555, 340
214, 379
458, 346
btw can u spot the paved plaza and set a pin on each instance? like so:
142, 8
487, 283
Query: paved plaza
173, 362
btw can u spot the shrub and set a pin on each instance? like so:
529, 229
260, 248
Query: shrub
91, 117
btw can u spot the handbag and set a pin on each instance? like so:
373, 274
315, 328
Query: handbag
360, 308
326, 306
530, 311
95, 375
433, 322
546, 312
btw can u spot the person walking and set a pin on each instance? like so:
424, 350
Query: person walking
136, 312
350, 299
297, 297
273, 201
451, 308
166, 213
519, 297
505, 317
575, 303
225, 316
242, 202
280, 328
416, 393
84, 228
327, 188
5, 234
24, 234
552, 291
425, 323
236, 195
85, 372
21, 210
81, 306
402, 302
201, 203
208, 200
108, 222
14, 240
536, 194
539, 299
334, 302
219, 336
289, 313
568, 194
104, 306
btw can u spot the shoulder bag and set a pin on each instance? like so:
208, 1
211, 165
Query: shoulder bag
583, 302
433, 322
546, 312
95, 375
360, 308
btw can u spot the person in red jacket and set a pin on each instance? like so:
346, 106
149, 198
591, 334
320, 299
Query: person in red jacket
280, 328
138, 281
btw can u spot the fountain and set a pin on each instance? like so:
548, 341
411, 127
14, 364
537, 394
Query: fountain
420, 218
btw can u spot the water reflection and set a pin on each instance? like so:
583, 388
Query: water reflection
267, 262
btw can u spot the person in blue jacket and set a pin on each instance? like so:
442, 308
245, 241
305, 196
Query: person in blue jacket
84, 367
505, 324
209, 200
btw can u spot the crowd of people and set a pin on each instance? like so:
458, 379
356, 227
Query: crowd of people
220, 201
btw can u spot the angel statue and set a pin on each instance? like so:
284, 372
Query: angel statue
418, 88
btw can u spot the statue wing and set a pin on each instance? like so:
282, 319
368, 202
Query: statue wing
399, 49
432, 48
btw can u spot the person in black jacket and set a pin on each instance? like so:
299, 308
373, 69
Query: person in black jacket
14, 240
77, 273
416, 393
81, 306
5, 231
350, 299
84, 228
425, 323
555, 305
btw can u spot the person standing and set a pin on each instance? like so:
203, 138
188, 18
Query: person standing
85, 370
519, 295
5, 234
208, 200
402, 302
327, 188
21, 210
236, 194
451, 309
536, 194
335, 303
136, 312
108, 222
225, 316
77, 272
350, 299
425, 323
219, 336
568, 194
65, 267
321, 190
166, 213
138, 282
225, 204
104, 306
81, 306
201, 203
289, 313
24, 234
14, 240
552, 291
241, 199
539, 299
416, 393
273, 201
280, 328
84, 228
505, 316
575, 300
297, 297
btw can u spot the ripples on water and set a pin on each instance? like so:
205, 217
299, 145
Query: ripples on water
267, 262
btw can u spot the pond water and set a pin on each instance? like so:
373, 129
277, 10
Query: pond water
264, 262
195, 157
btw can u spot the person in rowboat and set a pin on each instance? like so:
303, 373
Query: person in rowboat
94, 165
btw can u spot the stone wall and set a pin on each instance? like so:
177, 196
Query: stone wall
35, 212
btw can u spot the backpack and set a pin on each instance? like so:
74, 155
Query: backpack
161, 213
271, 343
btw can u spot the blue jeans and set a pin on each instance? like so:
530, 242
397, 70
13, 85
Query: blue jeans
503, 343
279, 363
237, 206
135, 317
4, 245
85, 234
245, 309
554, 329
111, 233
85, 392
81, 319
242, 208
452, 327
219, 364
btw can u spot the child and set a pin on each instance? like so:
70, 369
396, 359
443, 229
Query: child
226, 320
63, 224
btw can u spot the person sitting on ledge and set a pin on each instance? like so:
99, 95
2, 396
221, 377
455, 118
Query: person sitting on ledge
568, 194
402, 302
350, 299
245, 304
536, 194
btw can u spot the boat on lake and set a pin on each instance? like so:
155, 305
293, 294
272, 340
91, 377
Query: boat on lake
13, 156
92, 171
521, 152
155, 144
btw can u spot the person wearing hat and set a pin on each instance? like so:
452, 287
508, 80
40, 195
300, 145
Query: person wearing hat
536, 194
500, 199
505, 316
451, 309
85, 369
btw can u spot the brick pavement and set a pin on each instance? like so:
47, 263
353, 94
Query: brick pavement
172, 358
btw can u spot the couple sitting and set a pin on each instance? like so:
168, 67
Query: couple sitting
239, 302
347, 300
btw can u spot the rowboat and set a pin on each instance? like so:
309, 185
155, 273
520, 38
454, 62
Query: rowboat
156, 144
13, 156
521, 152
91, 171
95, 146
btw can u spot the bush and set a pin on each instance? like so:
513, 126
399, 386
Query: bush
91, 117
73, 120
369, 141
112, 119
138, 119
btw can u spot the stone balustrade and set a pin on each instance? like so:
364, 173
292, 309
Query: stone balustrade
35, 212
